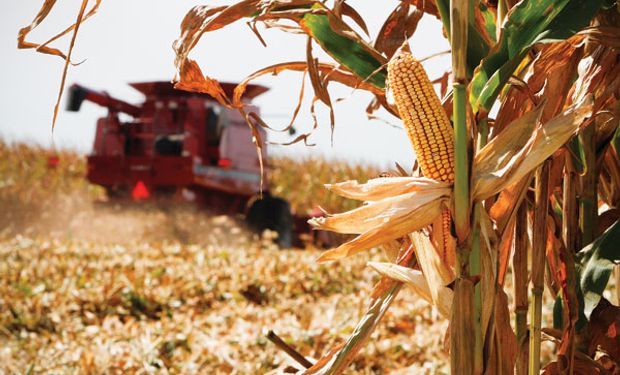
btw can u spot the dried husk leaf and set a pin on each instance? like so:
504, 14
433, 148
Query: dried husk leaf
392, 228
385, 187
438, 275
378, 213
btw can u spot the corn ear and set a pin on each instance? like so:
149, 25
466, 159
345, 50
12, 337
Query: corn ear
425, 120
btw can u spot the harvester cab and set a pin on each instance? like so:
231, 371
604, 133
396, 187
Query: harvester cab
182, 145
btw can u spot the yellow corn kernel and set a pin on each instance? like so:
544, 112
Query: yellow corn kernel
425, 120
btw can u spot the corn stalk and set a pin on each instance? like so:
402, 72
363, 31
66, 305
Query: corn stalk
539, 242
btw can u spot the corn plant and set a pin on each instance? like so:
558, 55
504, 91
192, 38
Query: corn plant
520, 157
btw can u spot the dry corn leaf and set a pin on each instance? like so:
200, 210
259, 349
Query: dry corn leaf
506, 159
398, 27
44, 47
428, 6
202, 19
342, 8
502, 155
502, 348
410, 277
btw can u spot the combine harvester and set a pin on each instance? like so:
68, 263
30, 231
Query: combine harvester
182, 145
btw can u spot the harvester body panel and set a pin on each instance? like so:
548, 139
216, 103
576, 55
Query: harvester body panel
173, 141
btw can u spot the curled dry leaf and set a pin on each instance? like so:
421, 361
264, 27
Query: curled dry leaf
193, 80
44, 47
22, 43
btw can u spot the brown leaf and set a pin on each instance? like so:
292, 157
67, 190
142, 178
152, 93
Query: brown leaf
319, 86
342, 8
398, 27
202, 19
502, 347
605, 329
428, 6
462, 319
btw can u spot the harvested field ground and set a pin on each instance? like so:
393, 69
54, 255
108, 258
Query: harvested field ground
89, 289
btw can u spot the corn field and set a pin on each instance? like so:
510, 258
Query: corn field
517, 174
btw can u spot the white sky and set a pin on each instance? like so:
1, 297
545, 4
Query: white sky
130, 41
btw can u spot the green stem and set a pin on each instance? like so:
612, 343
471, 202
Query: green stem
539, 242
463, 352
461, 164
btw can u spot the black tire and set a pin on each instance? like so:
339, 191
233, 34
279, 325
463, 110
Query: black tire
274, 214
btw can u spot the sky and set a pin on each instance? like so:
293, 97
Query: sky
131, 41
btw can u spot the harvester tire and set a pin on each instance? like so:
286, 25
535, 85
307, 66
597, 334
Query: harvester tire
274, 214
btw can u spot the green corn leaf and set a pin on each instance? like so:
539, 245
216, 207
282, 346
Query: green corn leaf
358, 57
489, 21
529, 22
596, 263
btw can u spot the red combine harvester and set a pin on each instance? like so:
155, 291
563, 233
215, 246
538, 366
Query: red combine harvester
183, 145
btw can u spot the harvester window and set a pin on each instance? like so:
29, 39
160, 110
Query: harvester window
214, 125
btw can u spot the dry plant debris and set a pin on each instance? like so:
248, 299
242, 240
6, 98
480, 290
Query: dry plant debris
89, 289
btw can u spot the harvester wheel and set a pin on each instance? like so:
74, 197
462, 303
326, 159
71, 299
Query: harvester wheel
274, 214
